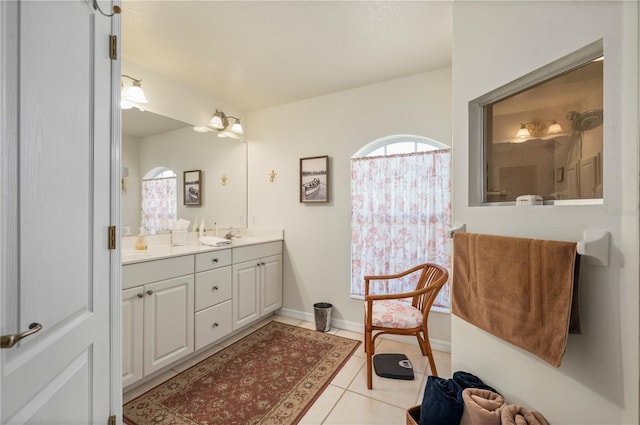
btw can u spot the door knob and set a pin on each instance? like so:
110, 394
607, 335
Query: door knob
8, 341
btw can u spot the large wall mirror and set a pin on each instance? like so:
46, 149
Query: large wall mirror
543, 134
157, 146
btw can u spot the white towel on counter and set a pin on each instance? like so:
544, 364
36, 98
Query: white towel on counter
213, 241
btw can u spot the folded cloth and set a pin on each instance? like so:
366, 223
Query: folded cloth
442, 402
213, 241
481, 407
469, 380
513, 414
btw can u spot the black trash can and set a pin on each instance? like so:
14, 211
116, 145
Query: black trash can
322, 314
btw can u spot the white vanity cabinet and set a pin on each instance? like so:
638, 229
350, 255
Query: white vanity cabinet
173, 306
157, 315
257, 282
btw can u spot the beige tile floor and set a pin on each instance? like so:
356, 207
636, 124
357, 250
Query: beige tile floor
346, 400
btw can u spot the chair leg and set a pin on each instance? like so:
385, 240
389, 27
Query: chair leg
425, 347
368, 348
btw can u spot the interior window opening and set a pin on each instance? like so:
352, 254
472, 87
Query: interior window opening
400, 210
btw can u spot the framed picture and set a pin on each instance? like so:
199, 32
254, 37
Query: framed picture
192, 187
314, 179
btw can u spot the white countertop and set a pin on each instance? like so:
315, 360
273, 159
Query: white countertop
160, 251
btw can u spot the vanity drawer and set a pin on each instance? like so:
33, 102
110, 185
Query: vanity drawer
246, 253
212, 324
213, 259
153, 271
213, 287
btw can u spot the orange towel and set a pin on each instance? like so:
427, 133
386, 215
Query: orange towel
517, 289
518, 415
481, 407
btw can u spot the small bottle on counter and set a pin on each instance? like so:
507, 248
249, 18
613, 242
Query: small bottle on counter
141, 242
202, 229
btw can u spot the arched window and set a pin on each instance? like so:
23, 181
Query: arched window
159, 200
400, 209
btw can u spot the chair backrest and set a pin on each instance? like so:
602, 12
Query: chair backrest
433, 277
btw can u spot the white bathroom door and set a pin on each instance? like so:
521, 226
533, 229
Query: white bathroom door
55, 206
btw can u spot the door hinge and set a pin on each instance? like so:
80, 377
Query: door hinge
112, 420
112, 237
113, 46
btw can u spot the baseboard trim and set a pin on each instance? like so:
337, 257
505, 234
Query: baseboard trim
436, 344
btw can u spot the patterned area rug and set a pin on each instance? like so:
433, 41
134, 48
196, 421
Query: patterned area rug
270, 377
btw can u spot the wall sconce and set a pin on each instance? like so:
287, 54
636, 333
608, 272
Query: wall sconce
220, 121
272, 176
537, 129
224, 179
133, 95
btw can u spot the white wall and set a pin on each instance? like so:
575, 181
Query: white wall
317, 236
130, 201
495, 43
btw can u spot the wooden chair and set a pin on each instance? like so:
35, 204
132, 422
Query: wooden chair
386, 314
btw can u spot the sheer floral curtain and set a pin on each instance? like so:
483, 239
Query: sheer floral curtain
159, 203
400, 214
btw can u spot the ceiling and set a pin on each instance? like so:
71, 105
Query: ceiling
259, 54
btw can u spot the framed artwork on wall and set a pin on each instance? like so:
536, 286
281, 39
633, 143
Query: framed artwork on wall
314, 179
192, 189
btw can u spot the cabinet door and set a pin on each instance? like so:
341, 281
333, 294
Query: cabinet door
271, 284
168, 322
132, 309
246, 292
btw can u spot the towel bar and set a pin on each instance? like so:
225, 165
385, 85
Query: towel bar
594, 246
457, 227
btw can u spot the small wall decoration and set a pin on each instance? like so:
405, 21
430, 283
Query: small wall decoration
272, 176
314, 179
192, 187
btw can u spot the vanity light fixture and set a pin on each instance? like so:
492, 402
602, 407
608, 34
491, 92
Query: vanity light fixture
133, 95
220, 121
537, 129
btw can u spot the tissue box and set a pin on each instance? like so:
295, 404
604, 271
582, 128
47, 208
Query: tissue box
179, 237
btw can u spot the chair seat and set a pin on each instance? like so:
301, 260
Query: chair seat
395, 314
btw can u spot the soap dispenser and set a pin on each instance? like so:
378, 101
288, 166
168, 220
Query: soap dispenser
141, 242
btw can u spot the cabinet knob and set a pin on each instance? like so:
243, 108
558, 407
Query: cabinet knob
149, 292
215, 325
215, 288
258, 264
262, 263
215, 260
140, 295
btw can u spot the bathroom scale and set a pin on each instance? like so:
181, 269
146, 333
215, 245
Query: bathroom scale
395, 366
